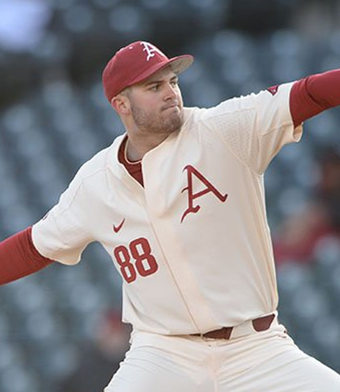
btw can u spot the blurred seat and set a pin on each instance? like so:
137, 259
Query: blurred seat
327, 254
60, 360
212, 93
129, 20
4, 326
105, 4
9, 354
230, 44
18, 379
333, 41
156, 5
78, 18
292, 200
291, 277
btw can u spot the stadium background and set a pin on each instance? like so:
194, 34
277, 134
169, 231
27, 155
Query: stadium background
53, 117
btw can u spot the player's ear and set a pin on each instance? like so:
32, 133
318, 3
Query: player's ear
121, 104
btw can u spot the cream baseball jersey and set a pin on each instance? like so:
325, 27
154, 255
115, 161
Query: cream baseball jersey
193, 245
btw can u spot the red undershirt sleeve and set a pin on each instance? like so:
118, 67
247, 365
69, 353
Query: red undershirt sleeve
314, 94
19, 257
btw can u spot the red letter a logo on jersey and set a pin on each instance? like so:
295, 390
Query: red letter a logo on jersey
209, 187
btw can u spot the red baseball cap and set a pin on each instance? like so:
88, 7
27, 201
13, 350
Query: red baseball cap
135, 63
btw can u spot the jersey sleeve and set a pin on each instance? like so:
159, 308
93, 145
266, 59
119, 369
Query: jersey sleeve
255, 127
61, 235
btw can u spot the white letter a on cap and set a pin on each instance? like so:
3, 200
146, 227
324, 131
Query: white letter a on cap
150, 50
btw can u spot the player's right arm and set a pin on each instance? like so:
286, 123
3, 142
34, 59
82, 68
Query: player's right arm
60, 235
19, 257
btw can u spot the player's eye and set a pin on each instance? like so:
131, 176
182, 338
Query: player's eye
174, 83
154, 87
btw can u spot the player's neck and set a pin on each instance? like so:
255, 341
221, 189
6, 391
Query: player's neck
137, 147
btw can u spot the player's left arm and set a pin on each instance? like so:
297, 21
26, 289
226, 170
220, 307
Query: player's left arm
314, 94
255, 127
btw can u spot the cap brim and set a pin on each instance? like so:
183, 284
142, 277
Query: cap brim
181, 63
178, 64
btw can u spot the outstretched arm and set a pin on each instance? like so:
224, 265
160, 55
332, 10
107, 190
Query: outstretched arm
314, 94
19, 257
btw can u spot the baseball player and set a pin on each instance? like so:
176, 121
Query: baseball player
178, 203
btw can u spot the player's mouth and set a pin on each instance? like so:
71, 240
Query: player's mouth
170, 106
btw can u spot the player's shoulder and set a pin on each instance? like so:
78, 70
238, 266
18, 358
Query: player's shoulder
198, 114
194, 117
94, 165
95, 169
250, 102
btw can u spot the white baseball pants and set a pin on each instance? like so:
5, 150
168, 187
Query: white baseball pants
260, 361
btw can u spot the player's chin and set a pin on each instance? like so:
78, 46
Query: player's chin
173, 121
173, 113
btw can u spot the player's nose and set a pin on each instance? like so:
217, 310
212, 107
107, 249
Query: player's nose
170, 92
